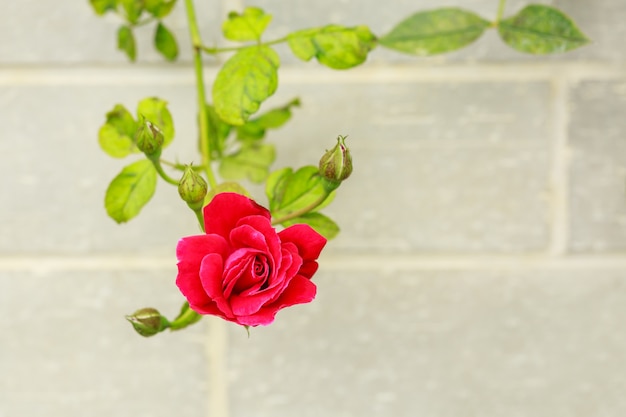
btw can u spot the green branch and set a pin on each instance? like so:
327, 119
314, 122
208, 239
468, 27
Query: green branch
144, 22
181, 167
186, 317
203, 121
162, 173
500, 11
214, 51
304, 210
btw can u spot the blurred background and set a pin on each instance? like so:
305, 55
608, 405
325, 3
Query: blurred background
481, 268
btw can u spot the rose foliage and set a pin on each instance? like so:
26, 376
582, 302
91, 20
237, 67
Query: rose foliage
242, 269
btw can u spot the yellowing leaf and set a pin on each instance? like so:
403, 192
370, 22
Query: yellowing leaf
250, 162
435, 32
335, 46
155, 110
116, 136
247, 26
255, 129
130, 190
244, 82
539, 29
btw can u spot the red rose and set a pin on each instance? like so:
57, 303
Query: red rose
242, 269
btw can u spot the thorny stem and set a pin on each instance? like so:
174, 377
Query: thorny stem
203, 122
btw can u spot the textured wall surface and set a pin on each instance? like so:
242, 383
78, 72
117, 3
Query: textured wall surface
481, 268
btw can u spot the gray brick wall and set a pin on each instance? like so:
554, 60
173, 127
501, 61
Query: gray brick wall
481, 268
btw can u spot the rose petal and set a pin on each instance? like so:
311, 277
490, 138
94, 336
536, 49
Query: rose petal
253, 281
245, 305
248, 234
236, 271
249, 302
276, 281
309, 242
190, 251
226, 209
291, 260
261, 318
301, 290
210, 308
308, 269
191, 287
211, 272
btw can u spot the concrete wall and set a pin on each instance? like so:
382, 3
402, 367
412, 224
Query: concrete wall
481, 270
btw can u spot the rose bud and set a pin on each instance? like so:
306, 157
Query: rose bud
192, 188
336, 164
149, 139
147, 321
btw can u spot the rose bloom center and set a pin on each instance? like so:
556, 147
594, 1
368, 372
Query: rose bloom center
254, 275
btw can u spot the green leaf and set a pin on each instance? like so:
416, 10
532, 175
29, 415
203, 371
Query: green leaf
133, 9
218, 132
335, 46
254, 129
165, 42
289, 191
251, 161
159, 8
155, 110
248, 26
275, 186
102, 6
130, 190
126, 42
320, 223
435, 32
116, 136
298, 185
539, 29
244, 82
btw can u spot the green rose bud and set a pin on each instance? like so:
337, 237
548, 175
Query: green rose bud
192, 188
336, 164
148, 321
149, 139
